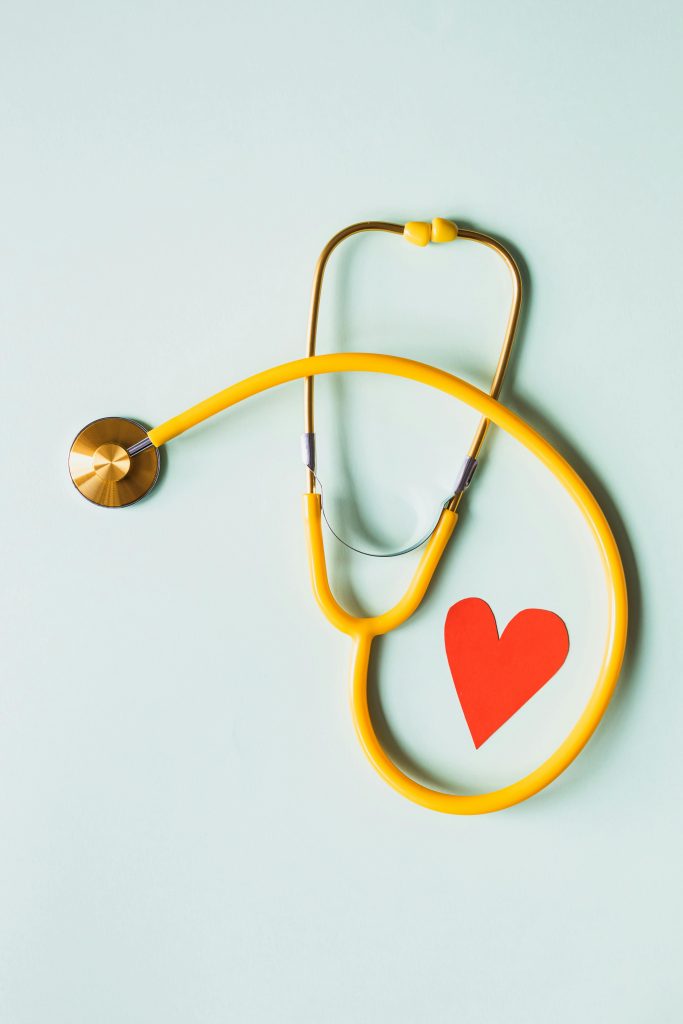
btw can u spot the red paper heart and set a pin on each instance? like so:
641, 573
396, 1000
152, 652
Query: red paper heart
494, 676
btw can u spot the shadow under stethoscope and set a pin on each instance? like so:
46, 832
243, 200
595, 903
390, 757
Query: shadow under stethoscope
355, 520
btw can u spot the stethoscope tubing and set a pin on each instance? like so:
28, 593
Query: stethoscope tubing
363, 631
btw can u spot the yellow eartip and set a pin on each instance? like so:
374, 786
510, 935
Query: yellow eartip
418, 232
443, 230
440, 230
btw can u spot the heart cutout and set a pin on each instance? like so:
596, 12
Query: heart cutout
494, 675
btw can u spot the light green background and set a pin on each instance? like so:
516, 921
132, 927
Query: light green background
188, 829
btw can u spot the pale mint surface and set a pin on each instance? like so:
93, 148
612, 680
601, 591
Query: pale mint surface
189, 833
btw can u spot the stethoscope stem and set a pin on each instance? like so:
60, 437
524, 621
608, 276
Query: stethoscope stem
141, 446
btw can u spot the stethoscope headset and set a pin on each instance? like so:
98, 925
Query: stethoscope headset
114, 462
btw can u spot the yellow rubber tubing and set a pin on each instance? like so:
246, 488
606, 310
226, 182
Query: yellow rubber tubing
363, 630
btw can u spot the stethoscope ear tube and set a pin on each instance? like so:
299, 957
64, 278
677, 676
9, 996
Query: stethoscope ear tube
421, 234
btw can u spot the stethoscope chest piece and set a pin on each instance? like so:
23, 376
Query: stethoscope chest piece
113, 463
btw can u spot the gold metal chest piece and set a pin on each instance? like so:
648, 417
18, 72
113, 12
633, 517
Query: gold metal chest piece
113, 463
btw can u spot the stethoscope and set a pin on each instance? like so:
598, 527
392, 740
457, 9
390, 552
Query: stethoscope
115, 461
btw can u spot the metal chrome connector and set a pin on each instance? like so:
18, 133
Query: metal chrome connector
467, 471
308, 451
141, 446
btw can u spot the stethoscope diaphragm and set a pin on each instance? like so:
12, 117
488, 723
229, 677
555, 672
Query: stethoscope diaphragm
112, 463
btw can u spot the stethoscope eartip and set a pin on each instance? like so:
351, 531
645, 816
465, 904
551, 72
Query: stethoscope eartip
113, 463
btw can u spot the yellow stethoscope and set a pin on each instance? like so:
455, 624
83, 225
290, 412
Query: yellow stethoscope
115, 461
